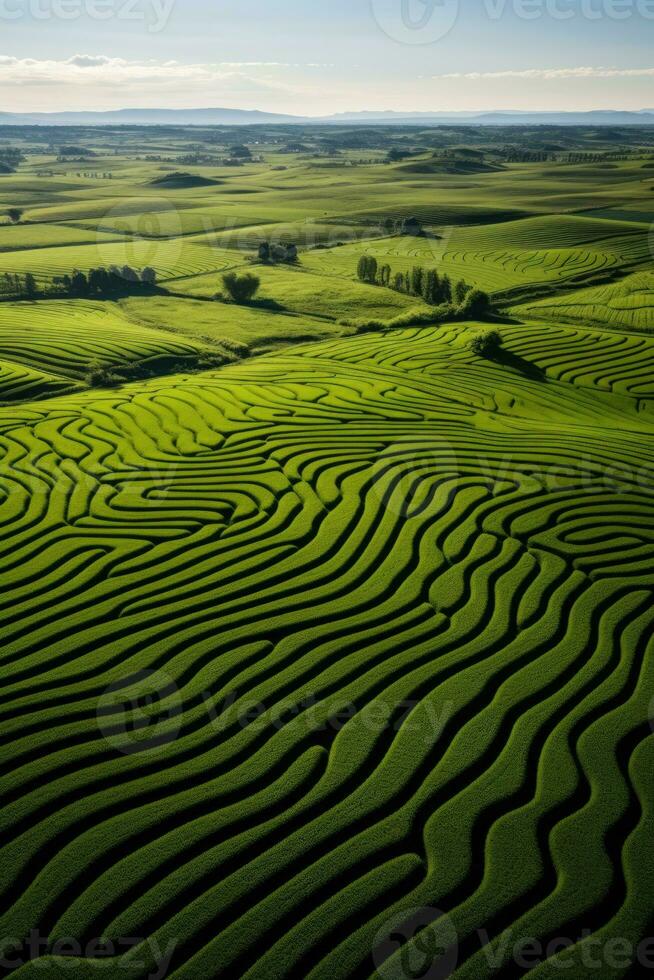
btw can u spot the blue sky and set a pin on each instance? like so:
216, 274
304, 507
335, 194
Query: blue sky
307, 57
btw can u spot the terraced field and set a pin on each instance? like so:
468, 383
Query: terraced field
62, 337
334, 662
499, 257
628, 304
174, 258
18, 383
371, 523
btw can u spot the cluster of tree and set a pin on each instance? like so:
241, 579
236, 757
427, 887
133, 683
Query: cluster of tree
528, 156
395, 154
577, 157
426, 284
11, 155
74, 151
198, 159
294, 146
23, 286
398, 226
240, 152
15, 215
241, 289
105, 282
409, 226
277, 253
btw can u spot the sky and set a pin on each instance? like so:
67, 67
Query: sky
317, 57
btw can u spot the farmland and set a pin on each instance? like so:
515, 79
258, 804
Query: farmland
318, 612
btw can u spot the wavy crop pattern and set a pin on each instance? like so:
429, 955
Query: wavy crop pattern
295, 648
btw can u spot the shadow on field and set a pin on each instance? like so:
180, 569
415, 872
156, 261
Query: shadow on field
527, 368
265, 304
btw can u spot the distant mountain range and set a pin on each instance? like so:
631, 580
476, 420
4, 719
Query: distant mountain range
243, 117
147, 117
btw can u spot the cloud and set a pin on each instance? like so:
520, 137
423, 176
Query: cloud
100, 81
88, 61
82, 69
550, 74
85, 68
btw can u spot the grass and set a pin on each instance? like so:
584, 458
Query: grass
301, 291
252, 326
297, 642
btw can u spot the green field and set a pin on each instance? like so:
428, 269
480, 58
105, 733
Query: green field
624, 305
308, 627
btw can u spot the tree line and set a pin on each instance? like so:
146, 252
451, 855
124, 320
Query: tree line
97, 283
426, 284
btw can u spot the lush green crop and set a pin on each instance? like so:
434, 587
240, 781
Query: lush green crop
626, 304
295, 646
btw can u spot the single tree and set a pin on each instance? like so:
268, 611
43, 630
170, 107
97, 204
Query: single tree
15, 215
461, 290
264, 252
417, 279
486, 344
372, 269
476, 303
30, 286
115, 280
431, 287
242, 289
130, 275
411, 226
399, 282
385, 275
149, 276
79, 285
445, 291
